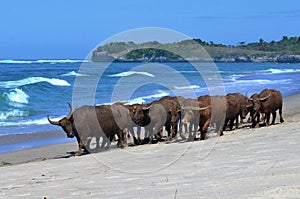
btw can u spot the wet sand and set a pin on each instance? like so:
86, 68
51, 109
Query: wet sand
245, 163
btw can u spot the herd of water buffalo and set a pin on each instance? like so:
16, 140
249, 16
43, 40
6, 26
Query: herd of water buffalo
175, 113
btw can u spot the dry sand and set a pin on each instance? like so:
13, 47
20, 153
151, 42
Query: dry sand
245, 163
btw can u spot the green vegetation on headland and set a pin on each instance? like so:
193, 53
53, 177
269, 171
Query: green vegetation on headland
287, 50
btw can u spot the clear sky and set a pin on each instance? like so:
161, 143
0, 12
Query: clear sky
70, 29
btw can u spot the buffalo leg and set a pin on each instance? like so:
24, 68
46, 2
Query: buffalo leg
231, 123
168, 129
255, 121
225, 124
237, 122
204, 130
274, 117
80, 147
267, 115
280, 114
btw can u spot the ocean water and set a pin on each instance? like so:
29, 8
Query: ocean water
31, 90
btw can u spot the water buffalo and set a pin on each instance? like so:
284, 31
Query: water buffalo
245, 106
215, 114
139, 114
154, 116
191, 113
233, 110
87, 122
267, 102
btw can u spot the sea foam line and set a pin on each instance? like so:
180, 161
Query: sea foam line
128, 73
33, 80
4, 115
278, 71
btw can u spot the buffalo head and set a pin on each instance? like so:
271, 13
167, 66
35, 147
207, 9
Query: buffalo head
140, 114
65, 123
191, 112
257, 101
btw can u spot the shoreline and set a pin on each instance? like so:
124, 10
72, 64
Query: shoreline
64, 146
244, 163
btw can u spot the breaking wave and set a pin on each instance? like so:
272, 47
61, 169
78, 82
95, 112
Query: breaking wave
4, 115
186, 87
33, 80
128, 73
278, 71
17, 95
143, 99
73, 73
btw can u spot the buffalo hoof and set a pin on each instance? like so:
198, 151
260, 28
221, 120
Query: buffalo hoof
131, 144
281, 120
145, 141
136, 141
154, 141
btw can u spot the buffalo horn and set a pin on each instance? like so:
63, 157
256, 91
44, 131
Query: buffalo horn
264, 98
194, 108
52, 122
146, 108
70, 113
249, 105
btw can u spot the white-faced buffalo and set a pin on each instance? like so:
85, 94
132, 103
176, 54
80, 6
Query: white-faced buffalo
87, 122
267, 102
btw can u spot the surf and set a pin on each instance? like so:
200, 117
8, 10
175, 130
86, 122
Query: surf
17, 95
33, 80
128, 73
73, 73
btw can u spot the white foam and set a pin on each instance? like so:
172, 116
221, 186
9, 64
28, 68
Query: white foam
9, 61
278, 71
33, 80
186, 87
254, 82
73, 73
20, 122
128, 73
4, 115
18, 96
143, 99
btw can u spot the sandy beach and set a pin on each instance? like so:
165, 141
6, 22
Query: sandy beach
244, 163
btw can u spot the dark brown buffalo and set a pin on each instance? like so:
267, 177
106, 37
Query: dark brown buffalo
87, 122
245, 106
155, 115
139, 114
213, 115
267, 102
253, 98
233, 110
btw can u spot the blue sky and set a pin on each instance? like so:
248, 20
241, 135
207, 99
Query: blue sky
70, 29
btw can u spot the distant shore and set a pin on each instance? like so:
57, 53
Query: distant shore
273, 58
